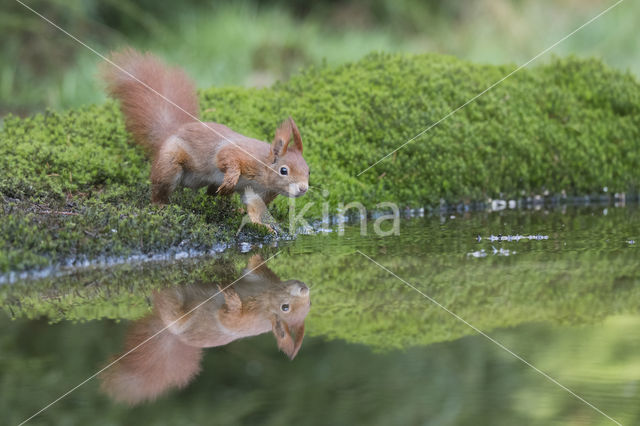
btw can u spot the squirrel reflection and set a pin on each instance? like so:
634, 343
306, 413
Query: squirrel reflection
257, 303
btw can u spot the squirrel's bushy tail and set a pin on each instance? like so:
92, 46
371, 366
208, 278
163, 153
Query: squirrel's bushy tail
138, 83
163, 362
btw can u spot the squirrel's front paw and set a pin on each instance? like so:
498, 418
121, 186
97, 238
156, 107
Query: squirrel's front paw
224, 190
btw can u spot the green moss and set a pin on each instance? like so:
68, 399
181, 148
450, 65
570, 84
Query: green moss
571, 125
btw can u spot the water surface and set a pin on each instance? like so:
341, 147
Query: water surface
560, 288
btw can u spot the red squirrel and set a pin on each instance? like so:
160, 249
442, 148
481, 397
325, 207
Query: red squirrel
160, 107
205, 315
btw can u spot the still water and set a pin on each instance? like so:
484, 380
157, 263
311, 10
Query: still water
558, 288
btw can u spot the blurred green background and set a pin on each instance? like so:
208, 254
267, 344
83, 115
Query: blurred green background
258, 42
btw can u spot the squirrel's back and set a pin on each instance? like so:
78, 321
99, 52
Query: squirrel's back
155, 98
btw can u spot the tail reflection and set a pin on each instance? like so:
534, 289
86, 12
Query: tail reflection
257, 303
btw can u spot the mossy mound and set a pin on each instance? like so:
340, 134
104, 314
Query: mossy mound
571, 125
69, 178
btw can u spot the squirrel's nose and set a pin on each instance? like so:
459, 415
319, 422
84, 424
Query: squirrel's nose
302, 187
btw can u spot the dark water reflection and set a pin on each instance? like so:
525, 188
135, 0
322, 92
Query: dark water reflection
375, 351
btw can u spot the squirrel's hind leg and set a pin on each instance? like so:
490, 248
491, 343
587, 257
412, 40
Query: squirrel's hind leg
166, 172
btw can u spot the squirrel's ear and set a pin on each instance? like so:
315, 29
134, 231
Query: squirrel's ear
278, 148
297, 139
281, 141
283, 337
298, 331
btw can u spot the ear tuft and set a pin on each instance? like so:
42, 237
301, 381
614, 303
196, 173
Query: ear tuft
299, 333
283, 337
278, 148
297, 139
282, 138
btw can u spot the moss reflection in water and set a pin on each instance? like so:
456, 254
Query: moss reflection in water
583, 273
378, 353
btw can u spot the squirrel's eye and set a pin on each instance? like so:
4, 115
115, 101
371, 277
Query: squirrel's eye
285, 307
284, 171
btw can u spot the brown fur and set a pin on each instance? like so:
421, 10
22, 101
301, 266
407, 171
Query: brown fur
149, 117
187, 152
252, 306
